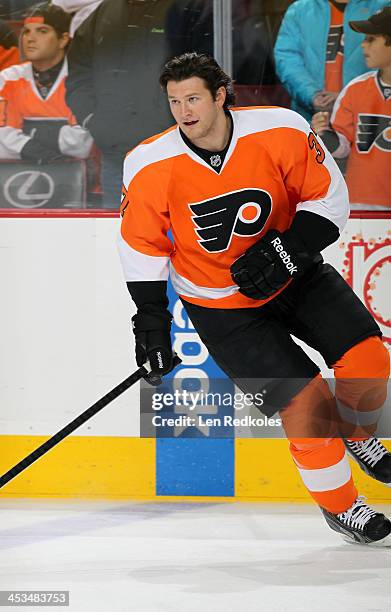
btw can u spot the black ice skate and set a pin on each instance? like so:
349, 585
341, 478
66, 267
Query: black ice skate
359, 524
372, 457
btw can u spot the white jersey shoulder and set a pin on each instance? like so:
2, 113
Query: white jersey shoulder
335, 204
15, 73
260, 119
164, 146
359, 79
25, 71
371, 74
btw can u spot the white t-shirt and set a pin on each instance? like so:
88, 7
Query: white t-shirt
81, 8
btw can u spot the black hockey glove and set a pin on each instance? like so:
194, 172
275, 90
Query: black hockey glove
45, 131
270, 263
151, 327
36, 152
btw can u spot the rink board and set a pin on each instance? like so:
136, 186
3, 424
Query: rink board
66, 341
128, 468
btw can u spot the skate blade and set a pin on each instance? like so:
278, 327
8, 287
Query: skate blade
383, 543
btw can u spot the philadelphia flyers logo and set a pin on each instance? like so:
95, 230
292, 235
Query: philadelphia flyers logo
240, 213
314, 144
373, 131
334, 43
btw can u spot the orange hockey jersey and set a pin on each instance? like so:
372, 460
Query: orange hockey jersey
362, 120
9, 57
274, 167
335, 51
20, 101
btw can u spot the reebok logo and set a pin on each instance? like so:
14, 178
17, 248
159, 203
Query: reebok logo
286, 258
159, 360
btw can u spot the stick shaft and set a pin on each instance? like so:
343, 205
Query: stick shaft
68, 429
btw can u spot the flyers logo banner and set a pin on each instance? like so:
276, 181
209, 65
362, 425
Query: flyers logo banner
240, 213
373, 131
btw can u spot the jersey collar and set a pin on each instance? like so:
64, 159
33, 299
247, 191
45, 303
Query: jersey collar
197, 158
61, 75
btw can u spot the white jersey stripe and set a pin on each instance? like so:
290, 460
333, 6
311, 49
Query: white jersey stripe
335, 205
168, 145
139, 267
255, 120
185, 287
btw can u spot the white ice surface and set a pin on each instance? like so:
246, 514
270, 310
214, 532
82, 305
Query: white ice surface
165, 557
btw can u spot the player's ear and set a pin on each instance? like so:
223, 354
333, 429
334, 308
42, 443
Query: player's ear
221, 94
64, 40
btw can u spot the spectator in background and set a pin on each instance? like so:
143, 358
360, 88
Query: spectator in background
80, 9
317, 53
361, 120
35, 123
114, 62
9, 52
189, 27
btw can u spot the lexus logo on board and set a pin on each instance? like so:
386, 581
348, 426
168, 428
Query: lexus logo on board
29, 189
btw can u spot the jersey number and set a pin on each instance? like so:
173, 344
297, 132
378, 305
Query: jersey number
314, 144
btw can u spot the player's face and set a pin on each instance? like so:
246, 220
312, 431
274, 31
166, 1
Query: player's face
40, 42
194, 109
376, 53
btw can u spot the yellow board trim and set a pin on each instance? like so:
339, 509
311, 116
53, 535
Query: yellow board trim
265, 470
99, 467
103, 467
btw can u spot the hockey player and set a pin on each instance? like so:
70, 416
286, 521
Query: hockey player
360, 123
251, 198
35, 123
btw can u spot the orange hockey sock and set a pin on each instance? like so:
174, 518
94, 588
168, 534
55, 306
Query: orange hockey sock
316, 449
361, 387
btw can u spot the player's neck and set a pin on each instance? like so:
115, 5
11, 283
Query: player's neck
46, 64
385, 75
218, 136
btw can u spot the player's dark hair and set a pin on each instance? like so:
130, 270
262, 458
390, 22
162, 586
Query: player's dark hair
200, 65
52, 15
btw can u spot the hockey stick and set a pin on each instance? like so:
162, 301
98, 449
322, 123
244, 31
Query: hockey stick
142, 372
